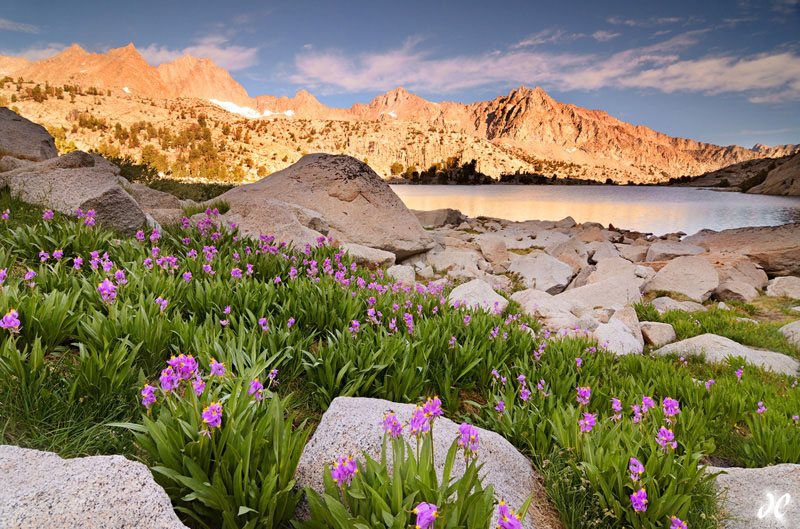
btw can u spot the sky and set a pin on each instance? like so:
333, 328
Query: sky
721, 72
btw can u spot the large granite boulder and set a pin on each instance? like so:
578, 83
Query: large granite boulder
614, 292
368, 256
436, 218
744, 271
357, 204
784, 286
775, 248
666, 304
256, 215
792, 332
657, 334
479, 294
736, 291
759, 498
553, 313
542, 271
351, 427
42, 490
667, 250
24, 139
78, 181
165, 208
718, 348
693, 277
617, 338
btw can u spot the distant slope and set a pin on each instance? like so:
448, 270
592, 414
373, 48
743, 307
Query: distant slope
524, 131
783, 180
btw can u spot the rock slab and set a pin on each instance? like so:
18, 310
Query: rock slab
693, 277
351, 426
751, 496
42, 490
718, 348
479, 294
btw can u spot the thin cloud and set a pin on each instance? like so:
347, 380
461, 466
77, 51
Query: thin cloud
37, 52
545, 36
214, 47
10, 25
645, 22
604, 36
768, 77
785, 7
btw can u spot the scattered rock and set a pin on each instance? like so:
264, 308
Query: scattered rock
668, 250
478, 293
43, 490
541, 271
615, 267
352, 426
450, 259
657, 334
693, 277
426, 272
744, 271
784, 286
9, 163
554, 314
77, 180
627, 315
792, 332
775, 248
369, 256
665, 304
736, 291
402, 273
612, 292
436, 218
24, 139
718, 348
749, 492
633, 253
617, 338
605, 250
349, 195
165, 208
723, 306
566, 222
493, 249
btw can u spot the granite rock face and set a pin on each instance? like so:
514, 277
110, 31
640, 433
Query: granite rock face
691, 276
23, 139
42, 490
351, 426
760, 498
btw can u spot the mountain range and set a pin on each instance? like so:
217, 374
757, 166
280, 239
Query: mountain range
517, 129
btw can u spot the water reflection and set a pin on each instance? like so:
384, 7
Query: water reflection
650, 209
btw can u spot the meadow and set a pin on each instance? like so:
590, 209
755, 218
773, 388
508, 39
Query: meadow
210, 357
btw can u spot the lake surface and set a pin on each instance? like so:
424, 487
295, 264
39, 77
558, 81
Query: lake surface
656, 210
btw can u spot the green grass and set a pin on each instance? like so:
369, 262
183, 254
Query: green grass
764, 335
72, 369
222, 205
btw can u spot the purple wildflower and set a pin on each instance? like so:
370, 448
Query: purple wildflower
47, 214
671, 408
507, 519
709, 384
636, 469
162, 303
343, 471
426, 515
217, 368
290, 323
236, 273
579, 361
666, 439
588, 422
108, 291
11, 321
761, 408
616, 405
639, 500
739, 373
584, 394
419, 424
184, 365
148, 396
168, 379
257, 388
501, 407
263, 323
187, 276
677, 523
198, 385
212, 415
468, 440
391, 425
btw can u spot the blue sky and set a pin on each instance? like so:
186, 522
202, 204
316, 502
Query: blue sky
723, 72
